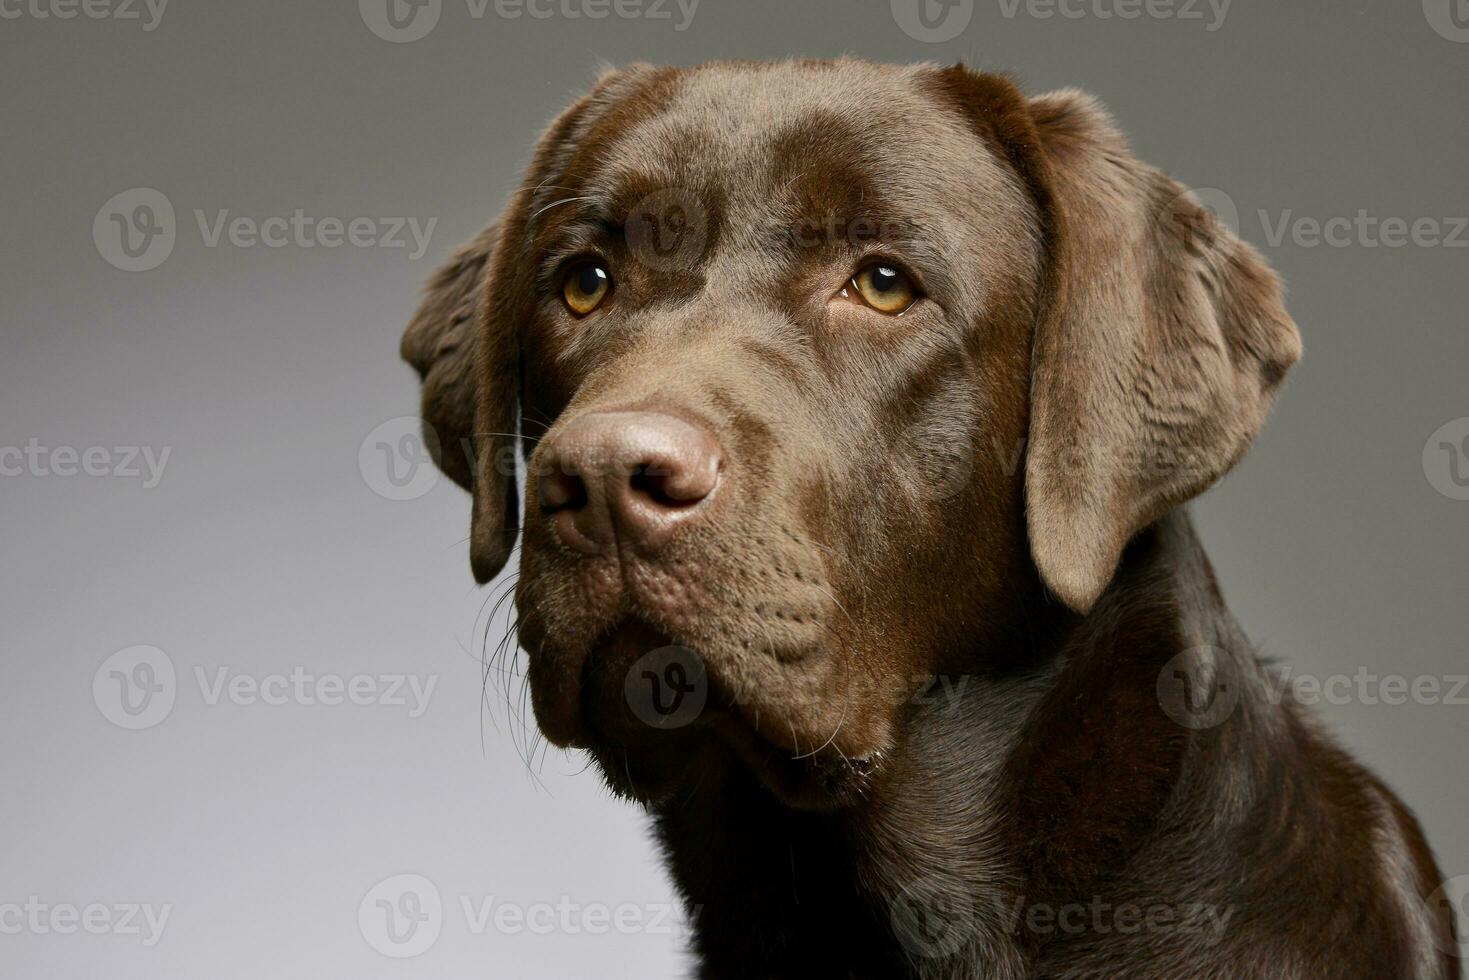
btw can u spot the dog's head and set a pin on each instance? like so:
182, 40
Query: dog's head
831, 371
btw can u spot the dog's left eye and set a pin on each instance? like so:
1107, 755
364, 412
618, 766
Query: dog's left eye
884, 288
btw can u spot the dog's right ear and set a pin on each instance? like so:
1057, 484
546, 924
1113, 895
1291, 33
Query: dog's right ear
466, 344
470, 370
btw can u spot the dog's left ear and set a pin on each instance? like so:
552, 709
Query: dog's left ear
1161, 341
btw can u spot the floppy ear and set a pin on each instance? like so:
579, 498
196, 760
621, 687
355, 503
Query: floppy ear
466, 344
1162, 341
470, 372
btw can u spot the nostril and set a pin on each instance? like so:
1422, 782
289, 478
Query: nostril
562, 491
676, 484
653, 485
662, 488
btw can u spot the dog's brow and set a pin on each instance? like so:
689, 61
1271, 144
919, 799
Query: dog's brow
556, 204
563, 240
583, 230
570, 212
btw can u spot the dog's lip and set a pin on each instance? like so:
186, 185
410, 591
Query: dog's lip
566, 689
556, 686
563, 688
578, 708
557, 704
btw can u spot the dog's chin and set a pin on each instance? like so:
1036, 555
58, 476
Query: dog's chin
701, 760
653, 749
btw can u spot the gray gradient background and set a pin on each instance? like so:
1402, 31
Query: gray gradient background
264, 548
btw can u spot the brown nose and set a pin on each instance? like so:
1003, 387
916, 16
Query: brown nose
626, 479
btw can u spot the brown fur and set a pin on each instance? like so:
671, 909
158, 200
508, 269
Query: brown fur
947, 565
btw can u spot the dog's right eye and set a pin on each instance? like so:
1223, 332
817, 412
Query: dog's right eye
585, 287
883, 288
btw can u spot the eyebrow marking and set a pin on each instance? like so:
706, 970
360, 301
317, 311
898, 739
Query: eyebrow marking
564, 200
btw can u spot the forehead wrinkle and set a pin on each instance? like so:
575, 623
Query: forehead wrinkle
719, 123
760, 194
719, 126
621, 98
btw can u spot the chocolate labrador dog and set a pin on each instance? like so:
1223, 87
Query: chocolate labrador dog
864, 403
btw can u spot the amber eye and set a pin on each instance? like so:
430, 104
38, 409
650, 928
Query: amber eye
584, 288
884, 288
